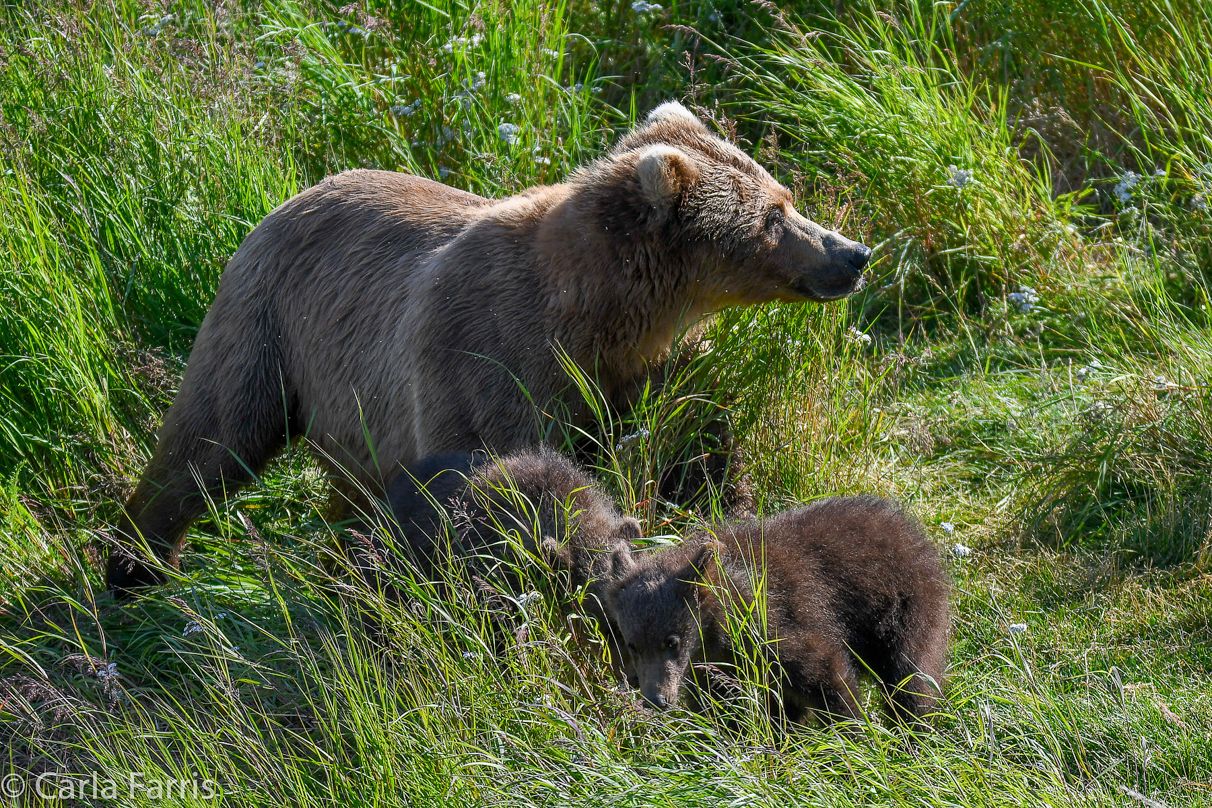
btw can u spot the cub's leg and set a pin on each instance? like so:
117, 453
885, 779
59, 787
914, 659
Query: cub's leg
912, 674
821, 680
232, 413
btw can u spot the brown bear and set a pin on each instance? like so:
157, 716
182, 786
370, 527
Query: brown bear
848, 583
386, 317
493, 513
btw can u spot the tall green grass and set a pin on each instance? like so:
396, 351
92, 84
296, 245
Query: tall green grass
1062, 440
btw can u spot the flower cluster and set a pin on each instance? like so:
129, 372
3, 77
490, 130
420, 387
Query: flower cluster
508, 132
959, 177
1084, 373
856, 336
627, 440
644, 7
160, 25
1123, 188
461, 42
405, 110
1024, 299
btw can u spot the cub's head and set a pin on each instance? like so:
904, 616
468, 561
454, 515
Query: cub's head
654, 604
710, 200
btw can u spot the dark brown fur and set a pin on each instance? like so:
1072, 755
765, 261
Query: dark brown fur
389, 318
850, 584
493, 515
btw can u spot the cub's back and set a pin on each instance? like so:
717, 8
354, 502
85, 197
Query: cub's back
853, 554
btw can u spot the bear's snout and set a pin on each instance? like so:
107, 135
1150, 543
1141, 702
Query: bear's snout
656, 698
859, 257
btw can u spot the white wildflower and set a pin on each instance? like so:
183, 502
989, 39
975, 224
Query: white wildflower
461, 42
554, 54
1199, 202
1094, 366
959, 177
540, 160
108, 672
947, 527
405, 110
235, 649
961, 550
578, 87
527, 598
1024, 299
508, 132
470, 655
355, 30
514, 99
192, 627
258, 65
1123, 189
854, 335
627, 440
643, 7
1018, 628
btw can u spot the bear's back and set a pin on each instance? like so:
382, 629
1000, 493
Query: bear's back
857, 561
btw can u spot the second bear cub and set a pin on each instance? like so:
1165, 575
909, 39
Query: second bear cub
482, 512
849, 583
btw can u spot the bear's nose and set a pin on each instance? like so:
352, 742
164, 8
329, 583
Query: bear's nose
656, 700
860, 257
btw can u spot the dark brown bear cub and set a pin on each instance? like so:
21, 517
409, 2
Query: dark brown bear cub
486, 512
850, 584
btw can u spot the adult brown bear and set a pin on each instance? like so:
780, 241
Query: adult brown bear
389, 318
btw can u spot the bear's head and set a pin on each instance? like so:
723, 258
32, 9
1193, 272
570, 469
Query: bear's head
654, 604
703, 198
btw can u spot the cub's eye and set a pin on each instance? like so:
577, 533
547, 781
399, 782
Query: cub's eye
775, 220
672, 643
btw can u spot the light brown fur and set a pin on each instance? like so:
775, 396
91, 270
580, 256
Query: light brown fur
385, 306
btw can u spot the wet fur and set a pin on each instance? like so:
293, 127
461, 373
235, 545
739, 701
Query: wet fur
388, 318
850, 584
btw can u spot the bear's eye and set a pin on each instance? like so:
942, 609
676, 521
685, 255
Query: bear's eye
673, 642
775, 219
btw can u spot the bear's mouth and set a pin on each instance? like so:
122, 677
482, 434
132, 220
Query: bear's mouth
823, 292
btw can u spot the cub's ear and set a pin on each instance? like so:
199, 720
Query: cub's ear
665, 173
703, 556
629, 528
621, 562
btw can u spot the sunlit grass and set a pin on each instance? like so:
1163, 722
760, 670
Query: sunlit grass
1063, 436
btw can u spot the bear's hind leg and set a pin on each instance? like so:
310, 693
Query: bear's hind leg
229, 417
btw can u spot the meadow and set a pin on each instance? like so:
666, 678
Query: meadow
1028, 370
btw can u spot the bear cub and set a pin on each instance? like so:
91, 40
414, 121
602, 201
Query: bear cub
464, 506
850, 584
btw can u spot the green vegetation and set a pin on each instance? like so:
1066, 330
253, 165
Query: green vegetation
1028, 370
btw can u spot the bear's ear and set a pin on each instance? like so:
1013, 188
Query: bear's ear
621, 562
629, 528
665, 172
703, 556
673, 112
